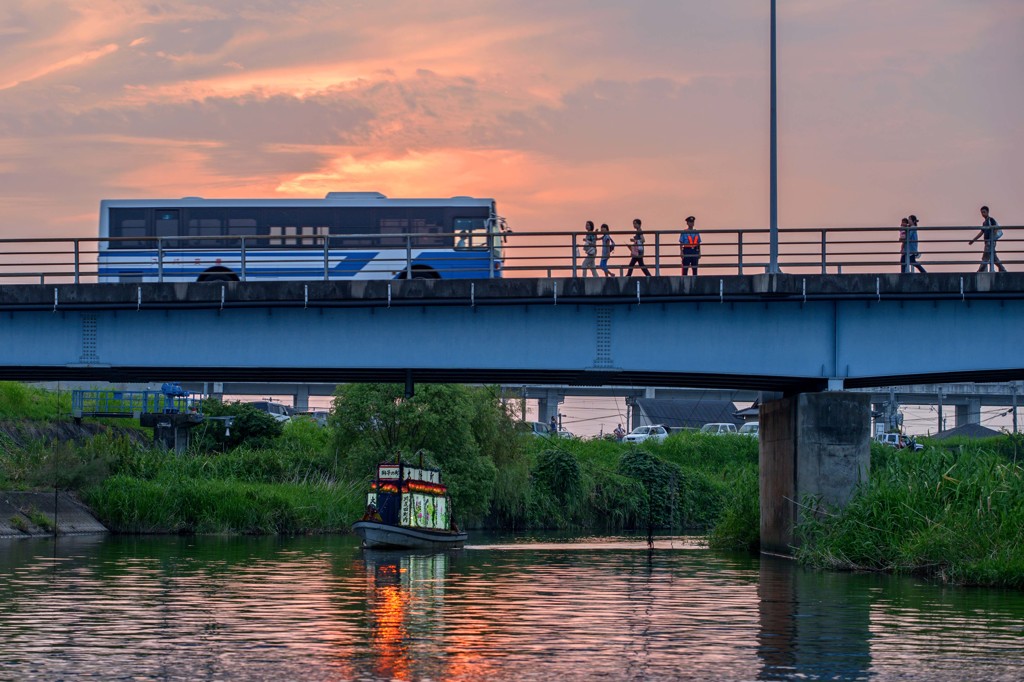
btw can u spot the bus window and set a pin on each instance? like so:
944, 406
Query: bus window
394, 225
470, 233
428, 226
128, 222
205, 223
302, 227
167, 226
353, 221
242, 227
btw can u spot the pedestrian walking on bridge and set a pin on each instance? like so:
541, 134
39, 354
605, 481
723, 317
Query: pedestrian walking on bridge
636, 250
991, 232
589, 250
909, 251
607, 246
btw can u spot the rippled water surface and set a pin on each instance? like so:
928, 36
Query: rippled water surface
503, 609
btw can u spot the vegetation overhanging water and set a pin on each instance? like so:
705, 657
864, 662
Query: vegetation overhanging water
954, 512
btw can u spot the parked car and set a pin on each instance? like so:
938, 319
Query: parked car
278, 411
751, 429
898, 441
718, 428
318, 417
655, 432
539, 429
891, 439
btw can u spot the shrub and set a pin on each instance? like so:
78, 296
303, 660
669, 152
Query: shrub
660, 482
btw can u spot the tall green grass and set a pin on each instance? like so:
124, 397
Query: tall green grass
681, 483
952, 513
195, 505
20, 401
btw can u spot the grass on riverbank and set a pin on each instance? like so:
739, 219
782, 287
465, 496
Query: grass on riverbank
683, 483
954, 513
194, 505
20, 401
293, 487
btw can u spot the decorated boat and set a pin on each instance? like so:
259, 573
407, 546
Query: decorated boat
408, 508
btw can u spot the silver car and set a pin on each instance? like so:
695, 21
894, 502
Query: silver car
655, 432
750, 429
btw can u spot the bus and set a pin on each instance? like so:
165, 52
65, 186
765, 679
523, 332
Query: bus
346, 235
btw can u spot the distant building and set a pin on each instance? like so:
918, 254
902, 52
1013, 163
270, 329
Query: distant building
749, 414
966, 431
683, 414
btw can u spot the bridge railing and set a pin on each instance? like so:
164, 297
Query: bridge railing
109, 403
747, 251
515, 254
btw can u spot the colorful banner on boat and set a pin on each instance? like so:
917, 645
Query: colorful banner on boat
424, 511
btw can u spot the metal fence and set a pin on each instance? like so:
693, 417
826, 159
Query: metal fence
518, 254
109, 403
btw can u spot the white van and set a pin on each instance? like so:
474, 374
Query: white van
278, 411
750, 429
718, 428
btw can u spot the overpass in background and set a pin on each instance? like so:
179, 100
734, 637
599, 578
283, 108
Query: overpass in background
967, 399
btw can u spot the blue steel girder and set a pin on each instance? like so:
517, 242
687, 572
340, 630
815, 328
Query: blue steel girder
761, 332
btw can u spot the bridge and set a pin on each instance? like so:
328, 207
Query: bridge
807, 337
784, 333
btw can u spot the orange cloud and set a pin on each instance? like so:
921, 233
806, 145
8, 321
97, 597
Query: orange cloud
70, 62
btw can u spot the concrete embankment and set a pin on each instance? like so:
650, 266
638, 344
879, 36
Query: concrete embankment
26, 514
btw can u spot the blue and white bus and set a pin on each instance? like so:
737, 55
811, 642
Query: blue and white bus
347, 235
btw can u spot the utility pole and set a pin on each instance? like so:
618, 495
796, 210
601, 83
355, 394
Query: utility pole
940, 429
1013, 396
773, 222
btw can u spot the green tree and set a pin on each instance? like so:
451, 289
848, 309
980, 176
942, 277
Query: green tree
660, 480
252, 427
374, 422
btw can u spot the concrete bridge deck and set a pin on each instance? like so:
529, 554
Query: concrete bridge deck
759, 332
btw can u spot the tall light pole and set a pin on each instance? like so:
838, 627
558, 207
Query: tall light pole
773, 222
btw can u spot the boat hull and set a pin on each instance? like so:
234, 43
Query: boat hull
384, 536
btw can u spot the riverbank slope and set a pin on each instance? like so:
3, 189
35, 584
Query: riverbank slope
34, 514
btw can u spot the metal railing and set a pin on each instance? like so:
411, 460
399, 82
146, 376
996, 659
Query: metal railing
108, 403
516, 254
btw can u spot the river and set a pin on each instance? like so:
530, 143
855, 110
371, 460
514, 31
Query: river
321, 608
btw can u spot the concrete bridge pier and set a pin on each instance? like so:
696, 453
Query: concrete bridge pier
968, 413
812, 445
300, 401
547, 406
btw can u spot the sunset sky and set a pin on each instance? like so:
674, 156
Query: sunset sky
561, 111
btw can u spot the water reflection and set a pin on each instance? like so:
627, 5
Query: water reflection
811, 624
405, 598
322, 608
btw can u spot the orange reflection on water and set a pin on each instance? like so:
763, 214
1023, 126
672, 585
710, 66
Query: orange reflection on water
389, 634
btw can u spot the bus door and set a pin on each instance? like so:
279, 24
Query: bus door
168, 232
497, 232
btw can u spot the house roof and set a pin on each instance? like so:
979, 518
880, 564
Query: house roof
747, 412
967, 431
687, 413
